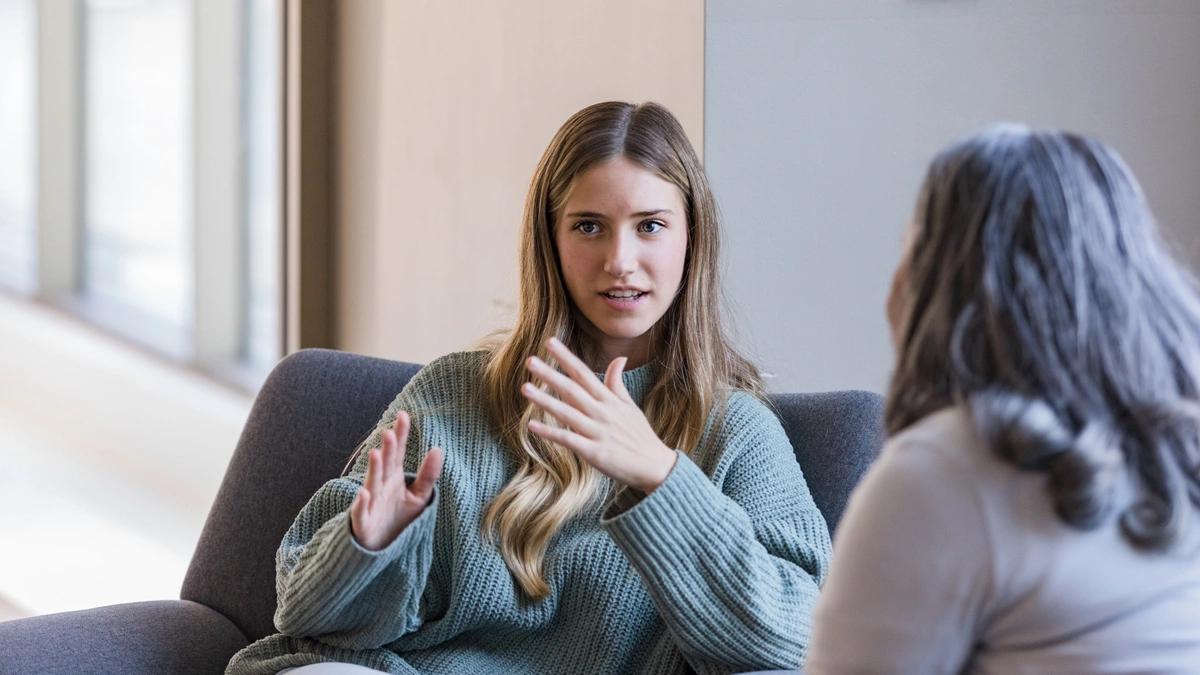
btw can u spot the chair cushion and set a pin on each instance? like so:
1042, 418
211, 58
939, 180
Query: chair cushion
140, 638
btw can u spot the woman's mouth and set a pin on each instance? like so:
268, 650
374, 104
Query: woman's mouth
624, 299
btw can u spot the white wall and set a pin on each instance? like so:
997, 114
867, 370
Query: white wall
820, 117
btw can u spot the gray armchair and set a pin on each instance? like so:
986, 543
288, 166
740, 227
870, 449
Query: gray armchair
312, 411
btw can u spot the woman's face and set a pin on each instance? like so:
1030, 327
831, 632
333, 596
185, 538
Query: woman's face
622, 239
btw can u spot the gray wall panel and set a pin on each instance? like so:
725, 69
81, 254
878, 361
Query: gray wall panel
820, 117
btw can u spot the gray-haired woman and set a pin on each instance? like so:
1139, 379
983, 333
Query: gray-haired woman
1036, 507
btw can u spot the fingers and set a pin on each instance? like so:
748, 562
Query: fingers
400, 429
387, 449
562, 412
374, 480
385, 464
576, 368
577, 443
570, 390
360, 508
393, 442
427, 474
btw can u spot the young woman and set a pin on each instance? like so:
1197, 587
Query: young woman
1037, 507
650, 519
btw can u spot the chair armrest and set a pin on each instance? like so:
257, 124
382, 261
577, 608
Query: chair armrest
163, 636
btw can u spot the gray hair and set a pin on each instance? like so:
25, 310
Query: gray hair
1040, 296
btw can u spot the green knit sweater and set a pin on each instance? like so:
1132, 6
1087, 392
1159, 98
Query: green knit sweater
717, 570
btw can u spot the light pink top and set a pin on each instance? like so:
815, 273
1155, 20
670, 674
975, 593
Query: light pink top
950, 560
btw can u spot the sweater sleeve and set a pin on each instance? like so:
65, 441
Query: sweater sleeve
912, 577
733, 570
331, 588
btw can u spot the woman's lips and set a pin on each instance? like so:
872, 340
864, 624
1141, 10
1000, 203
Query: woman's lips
625, 303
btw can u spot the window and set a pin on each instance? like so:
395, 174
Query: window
262, 337
137, 84
17, 144
158, 134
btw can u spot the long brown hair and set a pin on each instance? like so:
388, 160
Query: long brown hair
697, 366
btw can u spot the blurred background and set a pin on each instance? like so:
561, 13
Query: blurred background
192, 189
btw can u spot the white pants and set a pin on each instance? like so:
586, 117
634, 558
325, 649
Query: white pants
329, 669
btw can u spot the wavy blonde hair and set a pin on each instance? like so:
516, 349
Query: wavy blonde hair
697, 364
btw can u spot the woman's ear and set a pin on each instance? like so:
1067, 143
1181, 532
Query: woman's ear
895, 306
897, 298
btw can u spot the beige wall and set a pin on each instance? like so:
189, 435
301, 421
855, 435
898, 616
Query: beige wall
444, 109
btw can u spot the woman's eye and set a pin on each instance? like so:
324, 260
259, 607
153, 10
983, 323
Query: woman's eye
587, 227
651, 226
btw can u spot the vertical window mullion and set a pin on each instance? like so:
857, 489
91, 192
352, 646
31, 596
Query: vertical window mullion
59, 149
218, 174
18, 141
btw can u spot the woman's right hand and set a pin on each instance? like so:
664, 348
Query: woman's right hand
385, 504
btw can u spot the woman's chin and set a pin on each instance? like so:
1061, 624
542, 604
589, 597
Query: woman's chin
623, 331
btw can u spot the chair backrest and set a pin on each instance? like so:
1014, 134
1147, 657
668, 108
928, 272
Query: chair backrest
317, 405
836, 436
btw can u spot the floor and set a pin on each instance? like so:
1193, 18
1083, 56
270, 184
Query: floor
109, 459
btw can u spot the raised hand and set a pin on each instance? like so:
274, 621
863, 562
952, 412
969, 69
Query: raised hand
601, 422
385, 504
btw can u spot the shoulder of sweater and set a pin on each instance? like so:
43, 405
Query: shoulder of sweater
945, 435
939, 475
749, 427
456, 363
448, 377
746, 415
947, 442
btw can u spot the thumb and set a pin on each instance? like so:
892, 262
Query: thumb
613, 379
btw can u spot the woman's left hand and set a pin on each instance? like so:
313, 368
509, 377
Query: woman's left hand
601, 423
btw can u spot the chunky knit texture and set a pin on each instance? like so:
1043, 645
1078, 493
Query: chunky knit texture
717, 570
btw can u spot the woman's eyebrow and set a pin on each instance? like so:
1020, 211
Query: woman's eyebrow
639, 214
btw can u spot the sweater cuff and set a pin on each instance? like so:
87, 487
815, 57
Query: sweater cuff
661, 530
340, 556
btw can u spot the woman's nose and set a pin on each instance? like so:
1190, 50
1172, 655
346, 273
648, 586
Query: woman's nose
621, 258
